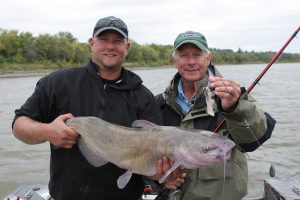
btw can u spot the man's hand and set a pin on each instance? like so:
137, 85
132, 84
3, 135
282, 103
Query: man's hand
175, 179
62, 136
227, 90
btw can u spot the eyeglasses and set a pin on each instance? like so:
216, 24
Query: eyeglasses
111, 22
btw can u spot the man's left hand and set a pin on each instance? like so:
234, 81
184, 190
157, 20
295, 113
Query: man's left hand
227, 90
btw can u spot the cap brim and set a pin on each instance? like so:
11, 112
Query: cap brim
198, 44
110, 28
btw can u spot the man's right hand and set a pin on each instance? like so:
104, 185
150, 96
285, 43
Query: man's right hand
57, 132
62, 136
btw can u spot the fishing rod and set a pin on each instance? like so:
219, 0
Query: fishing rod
263, 72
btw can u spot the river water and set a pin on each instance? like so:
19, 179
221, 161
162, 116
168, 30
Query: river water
278, 94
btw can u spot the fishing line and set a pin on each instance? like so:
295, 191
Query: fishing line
247, 126
224, 171
225, 87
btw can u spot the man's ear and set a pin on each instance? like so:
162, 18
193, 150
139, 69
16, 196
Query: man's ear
128, 45
174, 59
91, 42
208, 58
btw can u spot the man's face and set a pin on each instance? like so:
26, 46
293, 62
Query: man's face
109, 49
191, 62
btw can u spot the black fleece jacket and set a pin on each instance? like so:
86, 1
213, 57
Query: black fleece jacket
82, 92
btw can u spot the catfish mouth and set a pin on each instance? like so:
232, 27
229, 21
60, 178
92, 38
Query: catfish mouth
225, 157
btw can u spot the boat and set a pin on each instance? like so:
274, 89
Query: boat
274, 189
282, 189
30, 192
41, 192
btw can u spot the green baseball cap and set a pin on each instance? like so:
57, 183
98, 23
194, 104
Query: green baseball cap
195, 38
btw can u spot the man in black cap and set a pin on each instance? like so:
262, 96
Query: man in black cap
102, 88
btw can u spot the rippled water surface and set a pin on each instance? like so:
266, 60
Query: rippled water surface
278, 94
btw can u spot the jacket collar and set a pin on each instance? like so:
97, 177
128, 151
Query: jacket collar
128, 79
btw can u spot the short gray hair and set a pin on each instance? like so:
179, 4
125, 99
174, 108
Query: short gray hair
206, 51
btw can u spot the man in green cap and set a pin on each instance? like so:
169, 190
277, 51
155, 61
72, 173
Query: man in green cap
199, 97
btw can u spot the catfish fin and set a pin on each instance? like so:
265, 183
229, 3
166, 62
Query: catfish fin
89, 154
124, 179
141, 123
163, 178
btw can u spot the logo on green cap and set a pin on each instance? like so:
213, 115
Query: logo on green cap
192, 37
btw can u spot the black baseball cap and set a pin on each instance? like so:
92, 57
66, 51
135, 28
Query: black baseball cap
110, 23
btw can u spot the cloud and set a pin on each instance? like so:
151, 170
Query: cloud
227, 24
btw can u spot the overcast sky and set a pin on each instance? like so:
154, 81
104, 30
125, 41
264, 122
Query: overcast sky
259, 25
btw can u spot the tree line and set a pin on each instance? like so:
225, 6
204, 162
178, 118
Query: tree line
62, 49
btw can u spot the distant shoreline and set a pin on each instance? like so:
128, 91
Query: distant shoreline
24, 73
17, 74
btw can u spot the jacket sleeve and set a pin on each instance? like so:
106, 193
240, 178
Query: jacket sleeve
147, 107
248, 125
37, 105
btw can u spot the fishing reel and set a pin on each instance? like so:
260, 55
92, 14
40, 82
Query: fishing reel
169, 195
175, 195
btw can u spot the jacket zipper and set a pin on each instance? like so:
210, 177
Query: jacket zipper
102, 101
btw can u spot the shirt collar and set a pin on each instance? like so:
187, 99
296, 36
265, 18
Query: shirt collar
182, 100
181, 93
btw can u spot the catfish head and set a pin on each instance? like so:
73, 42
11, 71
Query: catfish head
207, 149
200, 149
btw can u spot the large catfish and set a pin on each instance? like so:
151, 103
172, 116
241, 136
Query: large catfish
137, 149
